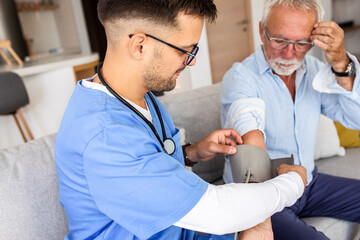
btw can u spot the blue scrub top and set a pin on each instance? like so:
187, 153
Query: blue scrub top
115, 180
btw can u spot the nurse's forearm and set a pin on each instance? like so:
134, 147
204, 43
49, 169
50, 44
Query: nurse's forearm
190, 153
236, 207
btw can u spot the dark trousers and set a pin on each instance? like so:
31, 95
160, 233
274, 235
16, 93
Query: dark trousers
326, 196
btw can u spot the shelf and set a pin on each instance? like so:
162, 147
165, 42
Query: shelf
352, 28
38, 8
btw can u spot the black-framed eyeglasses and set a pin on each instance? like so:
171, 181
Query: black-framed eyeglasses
191, 55
279, 43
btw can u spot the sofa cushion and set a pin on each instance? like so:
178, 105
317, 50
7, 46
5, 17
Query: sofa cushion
198, 111
29, 205
346, 166
335, 229
327, 140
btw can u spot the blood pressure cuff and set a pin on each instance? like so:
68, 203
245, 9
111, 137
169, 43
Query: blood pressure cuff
254, 161
275, 163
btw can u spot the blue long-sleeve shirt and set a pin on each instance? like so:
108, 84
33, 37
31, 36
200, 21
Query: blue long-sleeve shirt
254, 98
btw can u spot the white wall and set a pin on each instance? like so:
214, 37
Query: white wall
201, 72
67, 30
198, 75
347, 10
49, 94
80, 24
256, 14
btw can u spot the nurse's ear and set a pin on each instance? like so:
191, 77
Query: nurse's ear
139, 45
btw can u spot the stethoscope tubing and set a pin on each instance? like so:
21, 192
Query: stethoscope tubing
121, 99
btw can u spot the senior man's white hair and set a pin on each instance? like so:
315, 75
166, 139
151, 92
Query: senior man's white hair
295, 4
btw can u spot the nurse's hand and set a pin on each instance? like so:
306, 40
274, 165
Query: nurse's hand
219, 141
262, 231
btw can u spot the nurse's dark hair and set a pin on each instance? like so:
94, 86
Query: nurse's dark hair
163, 12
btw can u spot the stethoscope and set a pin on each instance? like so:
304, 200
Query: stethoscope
168, 144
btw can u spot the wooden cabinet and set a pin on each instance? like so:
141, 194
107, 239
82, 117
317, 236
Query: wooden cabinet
85, 70
230, 36
37, 7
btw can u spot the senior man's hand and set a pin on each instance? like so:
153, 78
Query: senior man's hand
285, 168
219, 141
329, 37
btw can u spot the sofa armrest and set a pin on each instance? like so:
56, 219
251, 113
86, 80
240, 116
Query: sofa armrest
29, 193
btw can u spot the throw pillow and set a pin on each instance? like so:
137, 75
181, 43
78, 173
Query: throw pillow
327, 140
348, 138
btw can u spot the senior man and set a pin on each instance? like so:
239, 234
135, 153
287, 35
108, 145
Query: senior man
274, 99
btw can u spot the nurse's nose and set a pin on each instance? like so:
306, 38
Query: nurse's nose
192, 63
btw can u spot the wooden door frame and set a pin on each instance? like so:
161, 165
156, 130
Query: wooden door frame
249, 37
250, 25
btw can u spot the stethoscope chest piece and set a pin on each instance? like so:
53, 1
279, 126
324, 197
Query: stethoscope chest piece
169, 146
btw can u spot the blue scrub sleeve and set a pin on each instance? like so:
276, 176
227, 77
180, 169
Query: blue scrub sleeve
140, 188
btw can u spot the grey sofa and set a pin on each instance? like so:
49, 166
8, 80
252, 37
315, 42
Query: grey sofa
29, 207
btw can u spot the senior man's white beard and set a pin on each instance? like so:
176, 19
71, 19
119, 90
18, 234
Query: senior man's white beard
284, 67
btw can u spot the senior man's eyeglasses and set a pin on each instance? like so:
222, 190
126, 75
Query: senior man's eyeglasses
279, 43
191, 55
